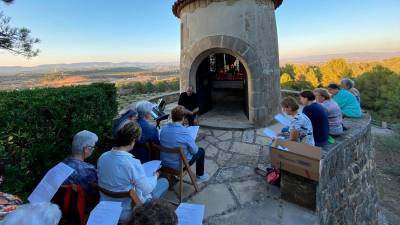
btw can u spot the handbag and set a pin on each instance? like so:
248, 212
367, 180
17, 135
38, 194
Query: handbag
274, 177
271, 175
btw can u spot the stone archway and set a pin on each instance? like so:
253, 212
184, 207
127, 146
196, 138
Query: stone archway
262, 99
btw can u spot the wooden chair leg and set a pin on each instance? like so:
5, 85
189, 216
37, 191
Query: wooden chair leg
193, 179
180, 188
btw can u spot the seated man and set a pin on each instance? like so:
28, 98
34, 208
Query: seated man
174, 135
83, 145
189, 101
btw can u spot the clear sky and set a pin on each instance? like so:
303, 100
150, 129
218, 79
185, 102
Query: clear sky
147, 31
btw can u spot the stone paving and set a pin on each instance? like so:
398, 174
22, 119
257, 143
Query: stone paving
235, 194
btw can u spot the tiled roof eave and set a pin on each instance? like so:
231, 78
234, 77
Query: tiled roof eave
179, 4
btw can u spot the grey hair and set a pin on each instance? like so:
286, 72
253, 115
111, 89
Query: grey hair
348, 83
82, 140
143, 107
44, 213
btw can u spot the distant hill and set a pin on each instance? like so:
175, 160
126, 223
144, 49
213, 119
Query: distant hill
84, 66
350, 57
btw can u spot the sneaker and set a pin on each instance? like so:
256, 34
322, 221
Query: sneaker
202, 179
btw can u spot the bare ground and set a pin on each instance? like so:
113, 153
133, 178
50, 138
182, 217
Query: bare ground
387, 147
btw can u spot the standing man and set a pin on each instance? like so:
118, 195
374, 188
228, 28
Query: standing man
189, 101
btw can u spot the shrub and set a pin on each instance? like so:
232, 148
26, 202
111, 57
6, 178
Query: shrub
138, 87
37, 126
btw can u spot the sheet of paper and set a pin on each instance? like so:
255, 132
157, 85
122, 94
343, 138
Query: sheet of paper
151, 167
105, 213
270, 133
282, 148
190, 214
282, 119
193, 131
50, 183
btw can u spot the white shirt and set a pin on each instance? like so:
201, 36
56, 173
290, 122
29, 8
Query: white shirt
119, 171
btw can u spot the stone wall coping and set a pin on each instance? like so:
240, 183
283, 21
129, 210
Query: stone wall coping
357, 127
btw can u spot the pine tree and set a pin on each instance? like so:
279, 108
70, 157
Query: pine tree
16, 40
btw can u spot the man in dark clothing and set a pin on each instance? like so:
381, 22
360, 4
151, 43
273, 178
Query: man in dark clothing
318, 116
189, 101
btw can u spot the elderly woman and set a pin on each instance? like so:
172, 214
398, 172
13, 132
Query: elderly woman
300, 129
119, 171
334, 113
349, 85
149, 132
347, 101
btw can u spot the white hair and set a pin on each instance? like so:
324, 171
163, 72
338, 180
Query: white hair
44, 213
348, 83
82, 140
143, 107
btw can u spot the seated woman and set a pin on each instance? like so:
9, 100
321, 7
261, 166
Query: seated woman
119, 171
318, 116
349, 86
334, 113
347, 101
149, 132
300, 129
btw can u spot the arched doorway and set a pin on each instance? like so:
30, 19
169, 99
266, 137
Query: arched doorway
221, 84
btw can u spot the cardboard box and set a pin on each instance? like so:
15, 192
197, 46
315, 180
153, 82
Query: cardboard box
297, 158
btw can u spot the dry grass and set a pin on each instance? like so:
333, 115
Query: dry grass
67, 81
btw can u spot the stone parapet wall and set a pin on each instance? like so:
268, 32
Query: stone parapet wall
169, 97
346, 193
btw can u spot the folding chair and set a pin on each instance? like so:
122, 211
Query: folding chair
72, 201
125, 194
181, 172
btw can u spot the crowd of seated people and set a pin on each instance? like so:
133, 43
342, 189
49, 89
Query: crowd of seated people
120, 169
324, 109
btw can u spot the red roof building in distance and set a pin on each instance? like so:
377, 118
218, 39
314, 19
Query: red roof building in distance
179, 4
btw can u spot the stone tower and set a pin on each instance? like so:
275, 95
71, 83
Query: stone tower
243, 29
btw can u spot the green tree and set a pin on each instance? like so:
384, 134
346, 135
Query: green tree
335, 70
380, 93
16, 40
300, 71
285, 78
288, 69
311, 77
